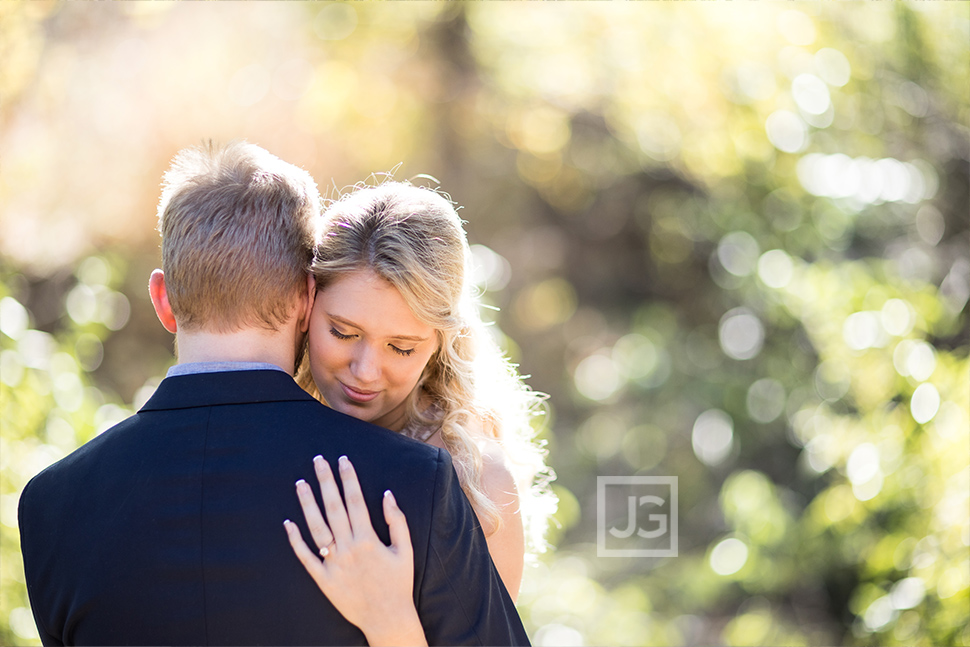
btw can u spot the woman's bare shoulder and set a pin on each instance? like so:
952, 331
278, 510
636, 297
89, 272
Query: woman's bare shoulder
497, 477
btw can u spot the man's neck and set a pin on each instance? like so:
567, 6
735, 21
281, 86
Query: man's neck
247, 345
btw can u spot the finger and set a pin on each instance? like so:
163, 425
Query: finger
398, 525
332, 503
359, 517
311, 512
310, 561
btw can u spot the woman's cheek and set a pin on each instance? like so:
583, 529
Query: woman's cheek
327, 354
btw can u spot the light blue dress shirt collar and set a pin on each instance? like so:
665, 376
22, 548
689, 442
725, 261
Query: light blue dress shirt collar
218, 367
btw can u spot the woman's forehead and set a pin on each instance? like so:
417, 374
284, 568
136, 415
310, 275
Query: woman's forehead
364, 299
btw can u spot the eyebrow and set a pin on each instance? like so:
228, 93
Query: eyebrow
348, 322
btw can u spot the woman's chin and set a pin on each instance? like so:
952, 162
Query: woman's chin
367, 411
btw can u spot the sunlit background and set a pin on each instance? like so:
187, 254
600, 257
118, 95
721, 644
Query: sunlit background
730, 240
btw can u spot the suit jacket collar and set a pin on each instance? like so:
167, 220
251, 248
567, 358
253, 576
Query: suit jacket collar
228, 387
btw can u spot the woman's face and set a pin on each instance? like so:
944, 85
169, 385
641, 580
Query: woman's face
367, 349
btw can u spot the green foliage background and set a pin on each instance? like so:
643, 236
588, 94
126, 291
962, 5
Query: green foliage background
729, 240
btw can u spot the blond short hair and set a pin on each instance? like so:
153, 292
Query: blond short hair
236, 235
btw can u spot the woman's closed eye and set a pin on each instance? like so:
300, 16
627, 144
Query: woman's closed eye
339, 335
405, 352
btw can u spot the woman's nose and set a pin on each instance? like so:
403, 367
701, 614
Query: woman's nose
365, 365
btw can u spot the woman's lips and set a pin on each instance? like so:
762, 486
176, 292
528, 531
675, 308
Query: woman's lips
356, 395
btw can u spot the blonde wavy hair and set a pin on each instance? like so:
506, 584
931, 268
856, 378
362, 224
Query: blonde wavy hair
413, 239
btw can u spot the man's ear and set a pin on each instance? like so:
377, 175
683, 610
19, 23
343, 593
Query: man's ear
159, 294
311, 287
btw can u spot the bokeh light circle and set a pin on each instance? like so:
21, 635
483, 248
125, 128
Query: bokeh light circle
729, 556
925, 403
713, 437
786, 131
741, 334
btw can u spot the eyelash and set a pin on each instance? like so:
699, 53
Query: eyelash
400, 351
339, 335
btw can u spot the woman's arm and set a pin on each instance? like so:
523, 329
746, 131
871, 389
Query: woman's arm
369, 583
506, 544
506, 539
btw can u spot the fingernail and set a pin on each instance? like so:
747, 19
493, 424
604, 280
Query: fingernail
344, 462
317, 458
286, 522
390, 495
301, 484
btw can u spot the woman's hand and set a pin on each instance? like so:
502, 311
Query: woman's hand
369, 583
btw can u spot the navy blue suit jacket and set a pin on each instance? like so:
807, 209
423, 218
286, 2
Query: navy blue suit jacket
168, 528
